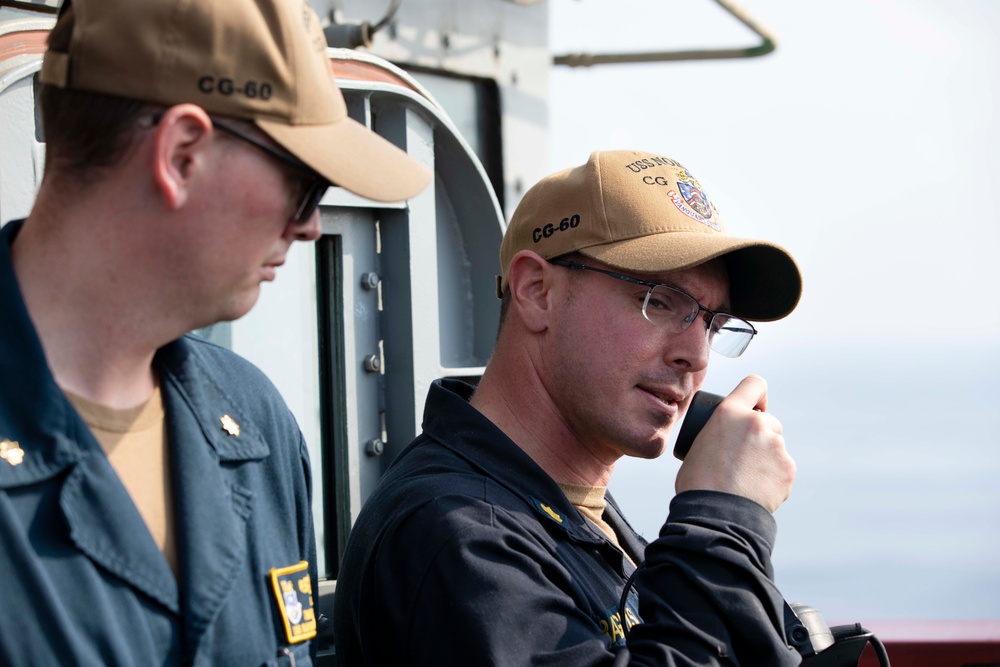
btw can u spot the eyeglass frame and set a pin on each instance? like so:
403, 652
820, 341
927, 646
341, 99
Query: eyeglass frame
651, 285
313, 192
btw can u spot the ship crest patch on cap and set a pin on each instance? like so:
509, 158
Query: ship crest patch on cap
693, 202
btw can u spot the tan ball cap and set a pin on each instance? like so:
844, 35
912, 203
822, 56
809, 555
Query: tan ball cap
645, 213
260, 60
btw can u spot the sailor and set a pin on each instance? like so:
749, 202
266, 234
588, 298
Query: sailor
154, 488
491, 539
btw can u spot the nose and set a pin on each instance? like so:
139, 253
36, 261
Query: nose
310, 230
689, 350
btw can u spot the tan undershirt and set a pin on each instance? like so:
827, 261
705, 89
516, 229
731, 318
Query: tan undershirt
134, 441
591, 503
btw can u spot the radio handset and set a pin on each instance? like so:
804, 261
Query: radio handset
702, 406
805, 629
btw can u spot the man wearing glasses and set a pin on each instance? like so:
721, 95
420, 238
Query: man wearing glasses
154, 488
491, 539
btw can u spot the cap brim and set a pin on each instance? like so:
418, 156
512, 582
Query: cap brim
764, 281
353, 157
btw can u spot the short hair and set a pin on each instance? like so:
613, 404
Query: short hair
86, 132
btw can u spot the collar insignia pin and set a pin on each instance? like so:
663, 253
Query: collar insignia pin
11, 452
551, 512
229, 425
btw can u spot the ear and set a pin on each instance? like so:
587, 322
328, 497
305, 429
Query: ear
182, 139
533, 284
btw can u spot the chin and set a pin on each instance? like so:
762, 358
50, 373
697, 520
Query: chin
649, 450
238, 307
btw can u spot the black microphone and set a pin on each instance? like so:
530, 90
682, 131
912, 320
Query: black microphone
702, 406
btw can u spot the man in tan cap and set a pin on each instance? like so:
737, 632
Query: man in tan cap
154, 488
491, 539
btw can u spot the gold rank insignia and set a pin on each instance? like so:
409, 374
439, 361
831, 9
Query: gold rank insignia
229, 425
551, 512
548, 511
11, 452
293, 593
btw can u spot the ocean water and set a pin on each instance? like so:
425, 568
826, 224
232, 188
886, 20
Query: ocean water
895, 512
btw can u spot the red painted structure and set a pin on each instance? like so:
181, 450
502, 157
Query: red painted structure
936, 643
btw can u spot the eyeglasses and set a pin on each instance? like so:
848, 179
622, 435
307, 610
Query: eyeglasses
673, 310
312, 192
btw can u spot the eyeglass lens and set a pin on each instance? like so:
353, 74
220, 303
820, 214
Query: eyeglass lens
310, 200
316, 186
674, 311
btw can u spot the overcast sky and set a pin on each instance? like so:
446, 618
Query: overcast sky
868, 144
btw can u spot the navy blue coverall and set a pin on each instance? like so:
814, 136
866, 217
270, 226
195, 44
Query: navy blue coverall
83, 582
468, 553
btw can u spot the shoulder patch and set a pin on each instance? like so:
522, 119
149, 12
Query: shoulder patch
293, 594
